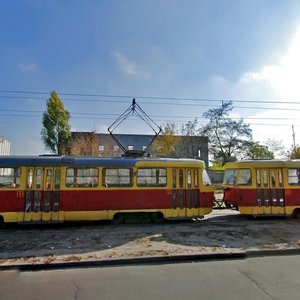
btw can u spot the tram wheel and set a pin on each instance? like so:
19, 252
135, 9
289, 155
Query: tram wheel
2, 224
296, 213
157, 217
118, 219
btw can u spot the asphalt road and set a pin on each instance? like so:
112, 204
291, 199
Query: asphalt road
255, 278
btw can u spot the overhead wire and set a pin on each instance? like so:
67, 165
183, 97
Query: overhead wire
151, 97
12, 112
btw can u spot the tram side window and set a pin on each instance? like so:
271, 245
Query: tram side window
244, 177
280, 178
57, 179
48, 185
82, 177
272, 178
38, 178
152, 177
265, 178
29, 179
70, 177
189, 179
294, 176
196, 178
258, 179
10, 177
205, 178
174, 173
229, 177
117, 177
181, 181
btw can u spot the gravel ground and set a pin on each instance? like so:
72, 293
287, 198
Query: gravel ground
223, 231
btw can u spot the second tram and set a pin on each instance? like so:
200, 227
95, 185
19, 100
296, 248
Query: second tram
263, 187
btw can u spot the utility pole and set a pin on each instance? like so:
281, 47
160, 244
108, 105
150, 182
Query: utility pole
294, 139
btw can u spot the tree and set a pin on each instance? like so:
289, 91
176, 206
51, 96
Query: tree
85, 144
276, 147
165, 144
56, 131
257, 151
227, 137
294, 152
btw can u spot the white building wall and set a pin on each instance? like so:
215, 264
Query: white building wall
4, 147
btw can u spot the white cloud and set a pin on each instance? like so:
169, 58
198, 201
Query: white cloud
277, 82
129, 67
284, 76
28, 67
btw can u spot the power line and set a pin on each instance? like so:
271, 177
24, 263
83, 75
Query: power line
150, 97
109, 116
134, 119
168, 103
153, 116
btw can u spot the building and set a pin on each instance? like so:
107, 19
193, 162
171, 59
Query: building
4, 147
186, 146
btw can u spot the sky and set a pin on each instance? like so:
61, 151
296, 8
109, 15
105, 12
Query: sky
178, 58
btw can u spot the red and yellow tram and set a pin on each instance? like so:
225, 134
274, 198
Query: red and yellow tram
61, 188
263, 187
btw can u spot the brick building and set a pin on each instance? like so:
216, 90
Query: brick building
187, 146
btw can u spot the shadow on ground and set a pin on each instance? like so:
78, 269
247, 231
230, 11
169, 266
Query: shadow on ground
222, 229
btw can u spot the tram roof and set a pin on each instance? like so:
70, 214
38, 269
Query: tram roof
268, 163
52, 160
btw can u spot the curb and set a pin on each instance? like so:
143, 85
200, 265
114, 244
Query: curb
125, 261
262, 253
149, 260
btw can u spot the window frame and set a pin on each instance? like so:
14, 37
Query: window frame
118, 175
156, 174
15, 177
296, 176
75, 184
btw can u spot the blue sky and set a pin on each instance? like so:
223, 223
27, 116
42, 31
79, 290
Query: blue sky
245, 50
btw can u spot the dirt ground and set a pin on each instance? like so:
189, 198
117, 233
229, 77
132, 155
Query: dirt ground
223, 231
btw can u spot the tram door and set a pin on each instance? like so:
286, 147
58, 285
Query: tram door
270, 194
41, 198
192, 193
50, 207
184, 195
178, 195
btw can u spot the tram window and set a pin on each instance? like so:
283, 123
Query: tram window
244, 177
117, 177
196, 177
181, 178
205, 178
38, 178
189, 179
10, 177
265, 174
152, 177
294, 176
70, 177
273, 180
82, 177
230, 177
57, 179
258, 179
48, 185
29, 179
174, 178
280, 177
